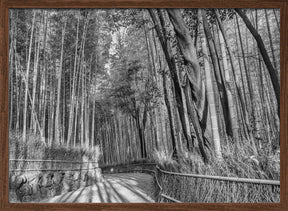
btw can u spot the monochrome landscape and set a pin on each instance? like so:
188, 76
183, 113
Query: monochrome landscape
144, 105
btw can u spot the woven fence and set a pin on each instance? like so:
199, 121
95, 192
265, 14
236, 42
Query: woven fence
183, 187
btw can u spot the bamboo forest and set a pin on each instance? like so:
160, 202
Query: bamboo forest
144, 105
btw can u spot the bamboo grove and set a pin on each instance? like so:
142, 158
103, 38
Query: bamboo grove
136, 81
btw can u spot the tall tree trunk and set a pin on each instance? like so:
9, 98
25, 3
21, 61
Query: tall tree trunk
18, 88
245, 72
226, 105
57, 116
188, 51
210, 91
229, 84
173, 71
35, 74
270, 39
74, 79
44, 80
27, 78
93, 125
265, 121
272, 72
169, 111
82, 123
239, 101
11, 70
167, 103
141, 134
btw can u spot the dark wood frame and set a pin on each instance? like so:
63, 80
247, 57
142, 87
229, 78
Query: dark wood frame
4, 152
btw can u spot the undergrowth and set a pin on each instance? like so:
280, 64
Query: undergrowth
34, 149
237, 162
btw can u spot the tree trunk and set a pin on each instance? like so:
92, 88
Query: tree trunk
245, 72
57, 116
270, 39
173, 72
194, 75
225, 103
35, 74
141, 136
229, 84
27, 78
238, 97
210, 91
72, 100
11, 70
272, 72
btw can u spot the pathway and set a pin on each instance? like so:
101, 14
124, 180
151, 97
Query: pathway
124, 187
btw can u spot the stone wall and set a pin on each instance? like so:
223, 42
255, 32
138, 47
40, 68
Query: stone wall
33, 186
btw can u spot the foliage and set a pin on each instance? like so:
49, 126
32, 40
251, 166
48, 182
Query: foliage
36, 150
235, 164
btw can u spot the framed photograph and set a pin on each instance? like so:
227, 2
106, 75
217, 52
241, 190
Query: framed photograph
143, 105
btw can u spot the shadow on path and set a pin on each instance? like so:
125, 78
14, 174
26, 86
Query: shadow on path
115, 188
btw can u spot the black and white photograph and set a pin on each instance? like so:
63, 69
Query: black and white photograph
144, 105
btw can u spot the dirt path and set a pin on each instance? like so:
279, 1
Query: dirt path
125, 187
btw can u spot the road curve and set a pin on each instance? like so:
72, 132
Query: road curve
115, 188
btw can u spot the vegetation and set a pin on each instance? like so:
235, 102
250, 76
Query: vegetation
235, 164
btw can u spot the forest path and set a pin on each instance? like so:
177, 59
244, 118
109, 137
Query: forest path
123, 187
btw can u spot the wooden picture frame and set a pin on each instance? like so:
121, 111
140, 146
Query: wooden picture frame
4, 151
